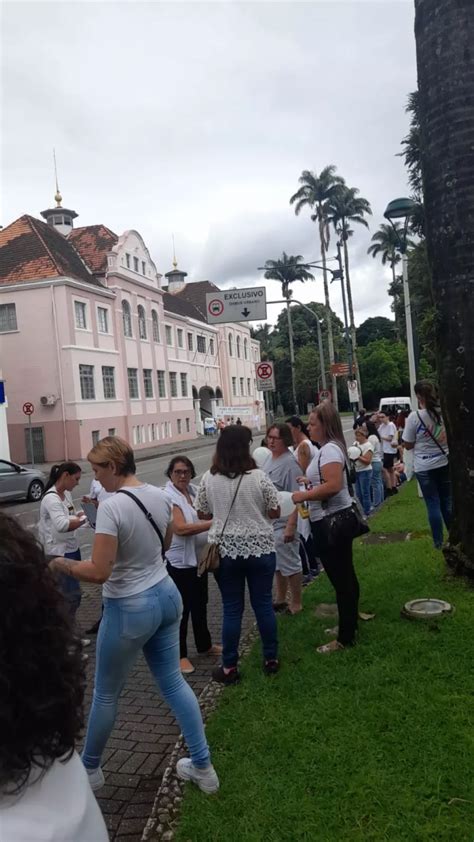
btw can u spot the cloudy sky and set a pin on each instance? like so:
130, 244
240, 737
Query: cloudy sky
197, 119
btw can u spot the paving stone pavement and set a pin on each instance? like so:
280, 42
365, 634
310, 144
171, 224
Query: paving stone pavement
145, 729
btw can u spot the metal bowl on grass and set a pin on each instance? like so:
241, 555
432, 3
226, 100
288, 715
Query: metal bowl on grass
426, 609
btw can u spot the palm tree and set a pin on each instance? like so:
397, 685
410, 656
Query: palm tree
386, 244
347, 207
316, 192
287, 270
445, 60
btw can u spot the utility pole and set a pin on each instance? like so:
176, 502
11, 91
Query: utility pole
346, 324
292, 353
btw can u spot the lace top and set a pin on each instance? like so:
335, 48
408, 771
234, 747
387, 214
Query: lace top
249, 530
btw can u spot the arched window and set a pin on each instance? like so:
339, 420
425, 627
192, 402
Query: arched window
238, 346
155, 326
245, 349
127, 318
231, 345
141, 322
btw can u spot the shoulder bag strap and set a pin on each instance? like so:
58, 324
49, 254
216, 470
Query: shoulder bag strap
350, 486
147, 515
431, 435
230, 509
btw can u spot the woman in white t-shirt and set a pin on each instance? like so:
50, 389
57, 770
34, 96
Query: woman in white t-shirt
376, 485
304, 451
425, 434
189, 537
142, 609
388, 437
328, 493
363, 466
45, 793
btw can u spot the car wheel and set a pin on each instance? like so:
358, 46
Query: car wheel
35, 490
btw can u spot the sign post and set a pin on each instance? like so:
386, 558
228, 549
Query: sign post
236, 305
353, 391
28, 410
265, 374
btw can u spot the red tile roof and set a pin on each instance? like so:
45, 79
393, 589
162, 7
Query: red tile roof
94, 242
193, 294
32, 250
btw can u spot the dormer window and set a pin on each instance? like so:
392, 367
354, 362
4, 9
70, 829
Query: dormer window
143, 267
135, 264
127, 260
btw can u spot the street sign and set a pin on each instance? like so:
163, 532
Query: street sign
353, 391
236, 305
340, 369
28, 408
265, 374
325, 395
233, 412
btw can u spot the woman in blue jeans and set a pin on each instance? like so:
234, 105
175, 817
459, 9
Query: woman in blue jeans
425, 434
142, 609
242, 501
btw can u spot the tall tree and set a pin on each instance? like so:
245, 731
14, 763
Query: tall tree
316, 192
346, 207
444, 31
287, 270
377, 327
385, 245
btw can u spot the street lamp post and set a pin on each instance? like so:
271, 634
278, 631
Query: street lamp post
403, 209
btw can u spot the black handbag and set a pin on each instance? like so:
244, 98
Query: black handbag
346, 524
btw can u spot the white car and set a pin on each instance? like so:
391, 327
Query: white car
17, 482
390, 406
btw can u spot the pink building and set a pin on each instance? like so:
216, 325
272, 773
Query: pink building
91, 336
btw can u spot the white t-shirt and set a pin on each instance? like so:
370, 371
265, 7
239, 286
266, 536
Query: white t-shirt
329, 452
98, 492
57, 807
55, 517
378, 450
364, 447
184, 548
388, 430
427, 454
139, 563
249, 531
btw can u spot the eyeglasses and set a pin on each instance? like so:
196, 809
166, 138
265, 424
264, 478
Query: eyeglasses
182, 473
273, 438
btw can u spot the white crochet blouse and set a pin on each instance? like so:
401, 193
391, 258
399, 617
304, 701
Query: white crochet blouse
249, 531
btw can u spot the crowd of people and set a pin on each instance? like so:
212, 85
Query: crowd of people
146, 555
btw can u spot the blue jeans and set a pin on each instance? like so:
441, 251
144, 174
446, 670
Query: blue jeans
148, 621
70, 588
363, 481
258, 572
376, 484
436, 489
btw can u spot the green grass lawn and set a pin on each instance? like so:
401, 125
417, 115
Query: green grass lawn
374, 743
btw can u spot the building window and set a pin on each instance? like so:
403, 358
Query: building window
80, 311
143, 267
112, 431
132, 374
103, 319
201, 344
211, 347
179, 426
190, 342
242, 389
169, 335
137, 434
238, 346
135, 264
234, 386
155, 326
180, 337
246, 349
255, 386
161, 384
7, 317
147, 383
141, 322
248, 386
95, 437
86, 379
127, 260
173, 384
188, 426
231, 345
126, 318
184, 385
108, 381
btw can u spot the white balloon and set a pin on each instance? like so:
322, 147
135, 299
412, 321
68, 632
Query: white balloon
286, 503
261, 455
354, 452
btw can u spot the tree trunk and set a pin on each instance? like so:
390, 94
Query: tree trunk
351, 322
292, 356
397, 322
321, 221
444, 31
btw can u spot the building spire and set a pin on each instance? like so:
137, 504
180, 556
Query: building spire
175, 262
57, 197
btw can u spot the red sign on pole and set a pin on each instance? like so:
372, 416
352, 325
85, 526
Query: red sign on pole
265, 376
28, 408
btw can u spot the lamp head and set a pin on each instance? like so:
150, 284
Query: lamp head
399, 209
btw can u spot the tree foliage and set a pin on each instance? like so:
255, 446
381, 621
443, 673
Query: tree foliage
377, 327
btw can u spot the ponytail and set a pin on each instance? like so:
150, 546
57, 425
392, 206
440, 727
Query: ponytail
58, 470
429, 394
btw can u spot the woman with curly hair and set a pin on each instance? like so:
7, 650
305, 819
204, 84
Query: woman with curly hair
44, 789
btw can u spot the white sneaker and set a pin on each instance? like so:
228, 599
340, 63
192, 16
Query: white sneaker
205, 779
96, 778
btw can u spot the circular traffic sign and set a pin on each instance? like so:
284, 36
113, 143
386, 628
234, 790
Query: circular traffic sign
325, 395
28, 408
264, 371
216, 307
